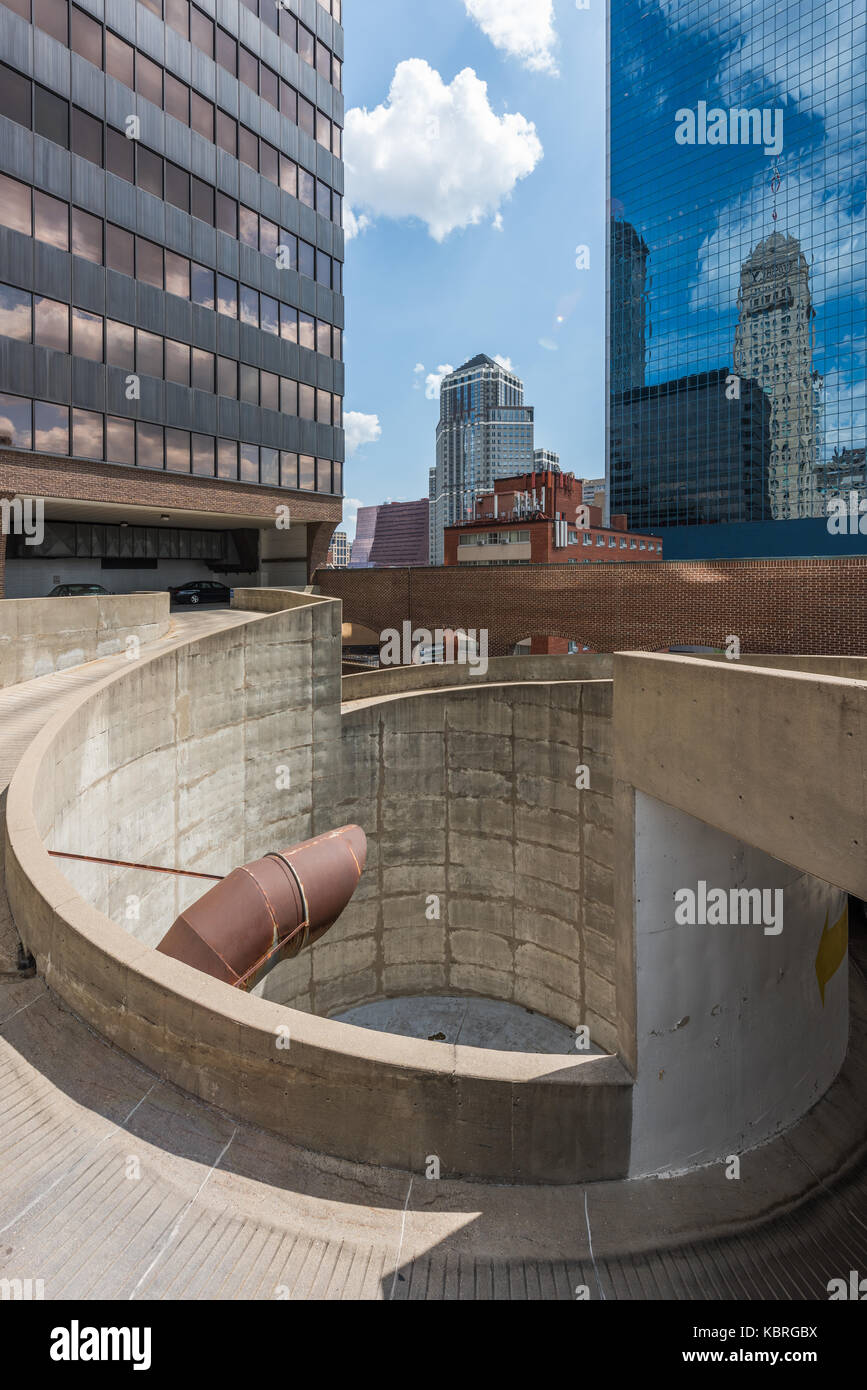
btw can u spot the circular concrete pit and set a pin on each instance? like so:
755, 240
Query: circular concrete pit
483, 1023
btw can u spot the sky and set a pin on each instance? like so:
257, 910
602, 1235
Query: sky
475, 169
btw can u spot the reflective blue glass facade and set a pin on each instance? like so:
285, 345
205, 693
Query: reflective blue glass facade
738, 256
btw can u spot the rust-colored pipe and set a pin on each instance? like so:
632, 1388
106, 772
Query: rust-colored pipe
270, 910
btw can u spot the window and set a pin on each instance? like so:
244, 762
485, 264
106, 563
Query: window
289, 102
202, 200
248, 227
16, 313
642, 545
249, 306
269, 236
600, 540
227, 215
248, 69
149, 79
269, 467
227, 458
306, 402
306, 116
119, 60
177, 364
149, 262
270, 87
119, 440
269, 162
227, 378
323, 407
268, 310
248, 148
120, 345
249, 463
119, 155
306, 331
323, 132
202, 285
249, 384
51, 427
306, 188
612, 542
202, 370
16, 424
323, 338
149, 171
633, 545
149, 445
323, 269
227, 296
323, 198
227, 133
202, 32
51, 323
288, 469
289, 176
306, 45
86, 236
288, 396
52, 16
155, 6
119, 250
51, 116
177, 99
14, 96
306, 259
177, 187
203, 454
86, 136
288, 323
337, 343
85, 36
51, 220
227, 52
15, 205
178, 451
306, 473
148, 353
323, 475
289, 28
202, 116
323, 61
623, 545
178, 16
87, 335
269, 390
177, 275
87, 434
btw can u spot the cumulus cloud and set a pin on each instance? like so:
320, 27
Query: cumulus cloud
505, 362
360, 429
434, 380
436, 152
523, 29
350, 515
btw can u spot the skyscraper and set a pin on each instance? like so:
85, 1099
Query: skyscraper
733, 165
485, 432
774, 347
171, 292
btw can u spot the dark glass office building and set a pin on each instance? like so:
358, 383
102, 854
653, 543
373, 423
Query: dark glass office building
171, 265
737, 245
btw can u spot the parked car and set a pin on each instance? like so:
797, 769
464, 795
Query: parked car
201, 591
77, 591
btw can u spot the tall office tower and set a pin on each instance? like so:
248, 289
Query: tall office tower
171, 296
339, 551
729, 154
485, 432
627, 306
774, 346
545, 461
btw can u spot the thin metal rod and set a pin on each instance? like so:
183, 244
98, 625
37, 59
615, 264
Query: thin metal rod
125, 864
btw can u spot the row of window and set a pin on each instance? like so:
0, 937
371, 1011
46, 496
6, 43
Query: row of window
36, 108
34, 318
51, 220
62, 21
625, 544
86, 434
495, 538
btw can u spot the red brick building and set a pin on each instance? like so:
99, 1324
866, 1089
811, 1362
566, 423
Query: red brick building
541, 519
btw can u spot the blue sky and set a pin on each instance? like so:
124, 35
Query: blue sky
423, 290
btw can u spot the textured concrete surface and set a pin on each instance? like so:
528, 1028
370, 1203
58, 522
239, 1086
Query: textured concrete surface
472, 1022
115, 1185
41, 635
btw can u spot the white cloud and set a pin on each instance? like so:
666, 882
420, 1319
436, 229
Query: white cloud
505, 362
522, 28
436, 152
497, 223
434, 380
548, 345
360, 429
350, 515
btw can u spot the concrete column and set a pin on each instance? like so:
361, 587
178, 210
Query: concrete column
319, 535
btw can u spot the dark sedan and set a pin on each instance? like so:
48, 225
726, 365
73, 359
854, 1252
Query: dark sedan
77, 591
201, 591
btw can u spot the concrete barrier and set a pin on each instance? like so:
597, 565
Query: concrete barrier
42, 635
401, 680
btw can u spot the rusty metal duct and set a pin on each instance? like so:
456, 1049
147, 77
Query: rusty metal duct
270, 910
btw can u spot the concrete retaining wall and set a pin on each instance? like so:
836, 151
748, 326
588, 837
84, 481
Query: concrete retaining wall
401, 679
489, 871
41, 635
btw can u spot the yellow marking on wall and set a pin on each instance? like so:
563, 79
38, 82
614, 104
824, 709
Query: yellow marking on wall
832, 950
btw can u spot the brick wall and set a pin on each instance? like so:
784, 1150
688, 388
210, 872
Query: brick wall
808, 606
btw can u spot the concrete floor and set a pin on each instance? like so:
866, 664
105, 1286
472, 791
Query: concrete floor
471, 1022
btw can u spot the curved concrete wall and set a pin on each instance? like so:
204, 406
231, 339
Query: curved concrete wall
489, 871
174, 761
399, 680
41, 635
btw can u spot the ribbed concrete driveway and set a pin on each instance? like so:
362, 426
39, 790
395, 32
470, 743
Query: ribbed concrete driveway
115, 1185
